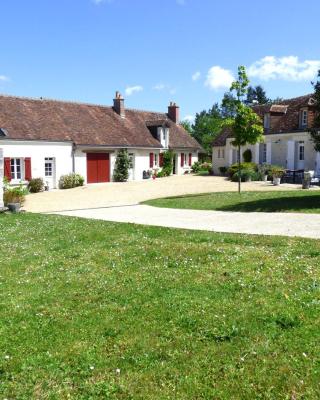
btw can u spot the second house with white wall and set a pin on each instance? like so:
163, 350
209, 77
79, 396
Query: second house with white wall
287, 141
49, 138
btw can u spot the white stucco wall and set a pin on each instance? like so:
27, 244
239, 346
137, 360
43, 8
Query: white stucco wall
38, 151
1, 178
282, 149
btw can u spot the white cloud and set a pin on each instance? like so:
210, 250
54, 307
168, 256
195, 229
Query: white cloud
196, 76
287, 68
189, 118
133, 89
4, 78
219, 78
159, 86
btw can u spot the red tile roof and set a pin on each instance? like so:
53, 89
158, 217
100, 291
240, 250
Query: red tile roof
85, 124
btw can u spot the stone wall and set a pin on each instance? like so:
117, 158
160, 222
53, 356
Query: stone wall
1, 178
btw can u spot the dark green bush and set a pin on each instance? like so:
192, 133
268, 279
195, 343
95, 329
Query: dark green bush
36, 185
70, 181
121, 169
195, 167
247, 156
234, 168
223, 170
167, 163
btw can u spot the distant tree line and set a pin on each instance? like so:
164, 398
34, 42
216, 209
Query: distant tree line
208, 123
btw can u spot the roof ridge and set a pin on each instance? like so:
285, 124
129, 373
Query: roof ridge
42, 99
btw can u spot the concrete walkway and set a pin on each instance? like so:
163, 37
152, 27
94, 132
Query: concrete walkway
286, 224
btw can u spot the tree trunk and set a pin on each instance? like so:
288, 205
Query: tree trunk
239, 169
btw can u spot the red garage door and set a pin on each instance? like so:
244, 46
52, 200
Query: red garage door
98, 167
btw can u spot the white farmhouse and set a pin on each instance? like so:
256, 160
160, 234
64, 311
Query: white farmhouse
49, 138
287, 140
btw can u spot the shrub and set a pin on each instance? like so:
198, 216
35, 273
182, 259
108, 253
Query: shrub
264, 169
206, 166
14, 195
167, 163
195, 167
223, 170
36, 185
247, 156
234, 168
70, 181
121, 169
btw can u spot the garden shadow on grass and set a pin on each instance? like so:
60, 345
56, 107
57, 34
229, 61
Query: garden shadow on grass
281, 204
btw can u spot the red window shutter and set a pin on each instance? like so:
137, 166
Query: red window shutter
161, 159
7, 168
27, 169
151, 157
190, 159
182, 159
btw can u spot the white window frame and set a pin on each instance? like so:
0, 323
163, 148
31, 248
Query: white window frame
186, 160
304, 118
156, 160
50, 161
14, 170
221, 153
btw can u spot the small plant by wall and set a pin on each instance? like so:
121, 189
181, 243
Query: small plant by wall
247, 156
70, 181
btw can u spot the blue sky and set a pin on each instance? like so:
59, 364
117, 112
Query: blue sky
155, 51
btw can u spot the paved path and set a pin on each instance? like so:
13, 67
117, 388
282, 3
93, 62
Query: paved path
117, 194
286, 224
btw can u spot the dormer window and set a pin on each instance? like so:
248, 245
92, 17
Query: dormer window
304, 118
266, 121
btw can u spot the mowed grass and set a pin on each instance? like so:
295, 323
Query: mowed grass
303, 201
98, 310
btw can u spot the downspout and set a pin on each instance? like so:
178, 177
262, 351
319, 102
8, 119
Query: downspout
73, 157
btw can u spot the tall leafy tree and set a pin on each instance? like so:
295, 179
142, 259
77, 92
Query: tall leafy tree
247, 126
187, 126
206, 127
315, 130
256, 95
228, 105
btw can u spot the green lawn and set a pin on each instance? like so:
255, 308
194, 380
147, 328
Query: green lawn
98, 310
304, 201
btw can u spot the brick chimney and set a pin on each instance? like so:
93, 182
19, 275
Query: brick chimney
118, 105
174, 112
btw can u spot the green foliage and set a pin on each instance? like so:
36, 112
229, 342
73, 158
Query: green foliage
247, 156
121, 169
264, 169
228, 106
277, 171
315, 130
256, 95
196, 166
167, 163
246, 175
70, 181
15, 194
247, 166
206, 166
36, 185
223, 170
97, 310
187, 126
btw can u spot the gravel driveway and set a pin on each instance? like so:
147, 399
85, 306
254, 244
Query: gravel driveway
119, 194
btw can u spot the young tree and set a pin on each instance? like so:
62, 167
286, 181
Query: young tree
121, 169
315, 130
247, 126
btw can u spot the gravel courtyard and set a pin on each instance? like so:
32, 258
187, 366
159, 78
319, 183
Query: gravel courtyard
123, 194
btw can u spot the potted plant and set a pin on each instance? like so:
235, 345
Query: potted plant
14, 197
264, 171
306, 180
277, 174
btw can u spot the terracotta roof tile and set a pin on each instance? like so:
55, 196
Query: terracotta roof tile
84, 124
